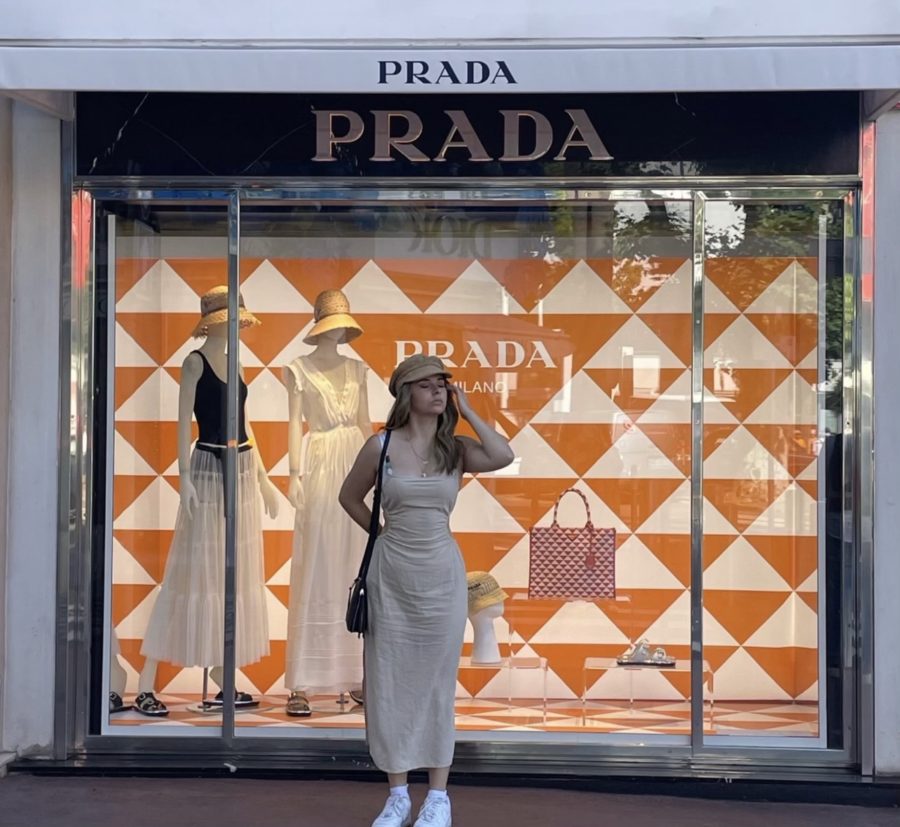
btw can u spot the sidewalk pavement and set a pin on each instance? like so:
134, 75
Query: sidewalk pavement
88, 801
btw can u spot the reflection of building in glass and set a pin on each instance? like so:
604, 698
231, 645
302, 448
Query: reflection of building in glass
724, 383
646, 375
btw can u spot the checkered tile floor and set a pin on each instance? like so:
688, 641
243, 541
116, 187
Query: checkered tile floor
641, 717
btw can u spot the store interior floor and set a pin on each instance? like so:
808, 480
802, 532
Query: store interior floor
50, 801
475, 714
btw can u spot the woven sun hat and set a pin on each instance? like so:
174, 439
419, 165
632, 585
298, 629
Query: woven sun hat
416, 367
484, 591
332, 312
214, 310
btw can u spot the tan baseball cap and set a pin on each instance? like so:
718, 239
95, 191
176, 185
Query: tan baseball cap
416, 367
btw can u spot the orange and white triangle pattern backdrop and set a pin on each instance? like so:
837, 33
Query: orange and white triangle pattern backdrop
585, 366
760, 475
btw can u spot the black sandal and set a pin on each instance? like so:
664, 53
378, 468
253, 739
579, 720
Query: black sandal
241, 699
116, 704
147, 704
298, 705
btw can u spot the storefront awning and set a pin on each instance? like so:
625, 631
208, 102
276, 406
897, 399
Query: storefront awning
605, 46
263, 68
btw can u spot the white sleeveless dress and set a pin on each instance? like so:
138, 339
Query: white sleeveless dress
417, 616
322, 656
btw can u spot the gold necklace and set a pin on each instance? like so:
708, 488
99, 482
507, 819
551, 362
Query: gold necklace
422, 462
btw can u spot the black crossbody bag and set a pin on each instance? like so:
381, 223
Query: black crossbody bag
357, 618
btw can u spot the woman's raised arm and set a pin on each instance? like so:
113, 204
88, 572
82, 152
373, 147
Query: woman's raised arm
491, 451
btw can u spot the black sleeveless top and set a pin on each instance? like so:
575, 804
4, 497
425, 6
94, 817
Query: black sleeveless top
210, 405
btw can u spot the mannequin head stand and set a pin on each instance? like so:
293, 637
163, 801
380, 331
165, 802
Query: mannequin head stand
485, 648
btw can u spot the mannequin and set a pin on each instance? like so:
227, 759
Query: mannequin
117, 677
328, 390
486, 649
186, 626
485, 606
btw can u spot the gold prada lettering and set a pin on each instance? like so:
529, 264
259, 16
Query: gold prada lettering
582, 126
385, 141
398, 133
512, 135
326, 140
469, 139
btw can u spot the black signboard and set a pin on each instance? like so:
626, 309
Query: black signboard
452, 135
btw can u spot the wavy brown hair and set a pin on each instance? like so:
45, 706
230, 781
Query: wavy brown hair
445, 449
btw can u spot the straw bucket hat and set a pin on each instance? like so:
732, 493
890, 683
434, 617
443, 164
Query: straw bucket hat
214, 310
484, 591
332, 312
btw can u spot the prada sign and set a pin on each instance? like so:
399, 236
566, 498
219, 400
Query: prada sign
401, 133
444, 73
449, 117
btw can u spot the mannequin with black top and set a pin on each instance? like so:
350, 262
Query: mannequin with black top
328, 391
187, 624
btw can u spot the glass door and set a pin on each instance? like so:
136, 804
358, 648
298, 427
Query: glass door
568, 322
165, 409
776, 380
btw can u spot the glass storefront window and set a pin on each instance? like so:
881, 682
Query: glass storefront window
571, 326
167, 279
772, 469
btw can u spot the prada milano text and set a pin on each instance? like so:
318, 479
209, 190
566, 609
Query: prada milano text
396, 133
505, 355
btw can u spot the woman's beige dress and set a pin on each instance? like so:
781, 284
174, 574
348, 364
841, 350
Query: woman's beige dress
417, 617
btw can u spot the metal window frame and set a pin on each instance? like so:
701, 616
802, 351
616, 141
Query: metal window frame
487, 755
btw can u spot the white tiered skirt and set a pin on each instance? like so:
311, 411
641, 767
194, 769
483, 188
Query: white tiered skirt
187, 624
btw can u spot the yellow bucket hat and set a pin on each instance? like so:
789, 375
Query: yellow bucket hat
484, 591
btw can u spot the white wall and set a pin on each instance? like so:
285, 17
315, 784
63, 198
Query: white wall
32, 430
281, 20
887, 443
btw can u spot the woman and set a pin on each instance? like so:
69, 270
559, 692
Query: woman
417, 581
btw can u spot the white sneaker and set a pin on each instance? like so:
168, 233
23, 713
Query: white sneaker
396, 813
435, 812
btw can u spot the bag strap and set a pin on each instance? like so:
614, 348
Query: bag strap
376, 511
587, 506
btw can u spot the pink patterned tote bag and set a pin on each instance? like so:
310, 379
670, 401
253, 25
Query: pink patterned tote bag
572, 563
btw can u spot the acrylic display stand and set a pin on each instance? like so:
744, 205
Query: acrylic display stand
595, 668
522, 613
515, 666
523, 616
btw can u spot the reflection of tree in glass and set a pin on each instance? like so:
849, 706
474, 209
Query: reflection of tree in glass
771, 228
647, 236
664, 224
777, 231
